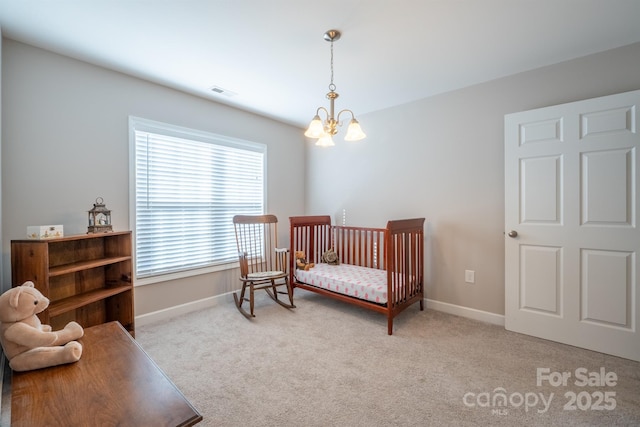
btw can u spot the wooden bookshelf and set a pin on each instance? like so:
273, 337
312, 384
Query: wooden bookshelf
86, 277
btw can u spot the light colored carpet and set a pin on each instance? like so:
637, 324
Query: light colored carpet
327, 363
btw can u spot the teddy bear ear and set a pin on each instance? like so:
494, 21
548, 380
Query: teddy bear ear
15, 296
29, 284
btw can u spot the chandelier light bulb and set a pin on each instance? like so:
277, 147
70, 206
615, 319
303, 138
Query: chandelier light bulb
325, 141
354, 131
316, 128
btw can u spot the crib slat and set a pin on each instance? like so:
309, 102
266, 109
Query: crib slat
359, 246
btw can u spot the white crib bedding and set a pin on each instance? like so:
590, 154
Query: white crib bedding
365, 283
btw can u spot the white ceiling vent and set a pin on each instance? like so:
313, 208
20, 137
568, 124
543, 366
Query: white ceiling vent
221, 91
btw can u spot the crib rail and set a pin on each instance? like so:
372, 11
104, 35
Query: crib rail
314, 235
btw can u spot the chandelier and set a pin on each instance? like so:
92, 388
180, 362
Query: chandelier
324, 130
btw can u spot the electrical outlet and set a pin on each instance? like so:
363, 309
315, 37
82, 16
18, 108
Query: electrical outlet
470, 276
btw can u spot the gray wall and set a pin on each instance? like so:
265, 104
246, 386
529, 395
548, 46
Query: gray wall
65, 142
442, 158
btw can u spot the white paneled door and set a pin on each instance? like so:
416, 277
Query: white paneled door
571, 224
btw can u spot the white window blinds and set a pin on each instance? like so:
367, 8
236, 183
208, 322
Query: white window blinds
188, 187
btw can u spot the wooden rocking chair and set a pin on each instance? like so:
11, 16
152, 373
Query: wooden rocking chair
262, 264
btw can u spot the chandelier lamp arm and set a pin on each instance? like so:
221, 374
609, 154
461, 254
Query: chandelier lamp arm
326, 112
353, 116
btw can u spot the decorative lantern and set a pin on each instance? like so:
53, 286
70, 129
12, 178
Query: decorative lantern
99, 218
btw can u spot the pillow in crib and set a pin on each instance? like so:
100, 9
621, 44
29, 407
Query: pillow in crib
330, 257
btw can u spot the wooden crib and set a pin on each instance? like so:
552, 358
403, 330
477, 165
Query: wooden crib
396, 253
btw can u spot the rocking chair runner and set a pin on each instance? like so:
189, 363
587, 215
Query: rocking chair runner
262, 264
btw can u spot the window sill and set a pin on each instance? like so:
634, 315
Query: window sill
186, 273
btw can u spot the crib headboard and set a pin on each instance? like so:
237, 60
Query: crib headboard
405, 259
310, 234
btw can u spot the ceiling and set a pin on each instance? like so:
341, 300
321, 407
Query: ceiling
270, 55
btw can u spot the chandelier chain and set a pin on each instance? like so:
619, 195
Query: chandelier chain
332, 87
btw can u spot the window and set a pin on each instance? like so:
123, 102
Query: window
187, 186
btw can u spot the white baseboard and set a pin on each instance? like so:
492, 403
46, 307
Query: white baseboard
167, 313
471, 313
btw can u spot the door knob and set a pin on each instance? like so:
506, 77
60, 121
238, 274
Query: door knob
513, 233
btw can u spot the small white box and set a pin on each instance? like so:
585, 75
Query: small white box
44, 231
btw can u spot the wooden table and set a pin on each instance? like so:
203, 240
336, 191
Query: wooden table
113, 383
